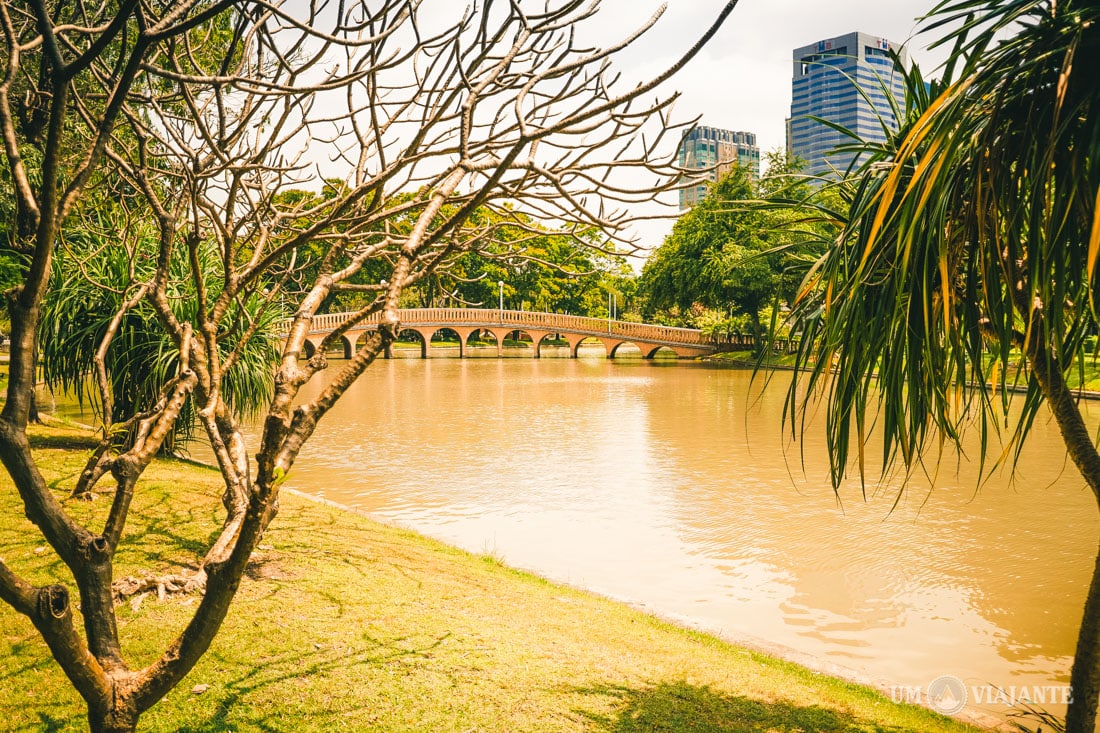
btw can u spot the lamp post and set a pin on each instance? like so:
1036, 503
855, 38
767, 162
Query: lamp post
500, 284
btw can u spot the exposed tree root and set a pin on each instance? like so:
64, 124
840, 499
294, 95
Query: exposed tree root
164, 586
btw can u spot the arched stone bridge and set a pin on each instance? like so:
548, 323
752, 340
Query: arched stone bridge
466, 322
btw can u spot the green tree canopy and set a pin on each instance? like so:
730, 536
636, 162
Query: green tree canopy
726, 254
568, 269
542, 269
690, 266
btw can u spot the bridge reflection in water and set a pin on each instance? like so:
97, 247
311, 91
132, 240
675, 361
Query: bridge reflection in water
469, 322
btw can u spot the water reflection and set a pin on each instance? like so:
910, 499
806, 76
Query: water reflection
673, 487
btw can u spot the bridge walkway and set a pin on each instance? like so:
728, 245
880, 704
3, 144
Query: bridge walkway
468, 322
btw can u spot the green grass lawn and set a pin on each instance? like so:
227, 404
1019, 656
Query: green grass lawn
344, 624
1088, 378
747, 358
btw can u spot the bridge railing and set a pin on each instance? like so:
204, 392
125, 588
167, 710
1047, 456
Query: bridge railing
489, 318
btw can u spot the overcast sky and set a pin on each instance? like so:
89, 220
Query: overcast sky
742, 80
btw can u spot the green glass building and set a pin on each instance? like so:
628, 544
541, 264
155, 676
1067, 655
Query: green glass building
713, 151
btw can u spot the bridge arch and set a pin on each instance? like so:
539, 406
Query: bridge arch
359, 340
348, 341
415, 334
572, 341
346, 345
651, 352
481, 334
575, 344
517, 334
426, 322
613, 346
459, 337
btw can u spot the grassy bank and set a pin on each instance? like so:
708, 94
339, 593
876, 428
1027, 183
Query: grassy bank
748, 359
1085, 376
347, 624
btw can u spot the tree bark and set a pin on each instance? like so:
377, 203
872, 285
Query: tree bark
32, 411
112, 721
1084, 679
1085, 674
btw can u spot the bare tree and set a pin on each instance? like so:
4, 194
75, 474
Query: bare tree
404, 120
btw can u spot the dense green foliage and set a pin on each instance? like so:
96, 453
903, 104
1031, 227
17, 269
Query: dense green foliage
554, 272
692, 265
727, 256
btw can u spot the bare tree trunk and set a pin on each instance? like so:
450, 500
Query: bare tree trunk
1085, 675
759, 339
32, 413
112, 722
1084, 679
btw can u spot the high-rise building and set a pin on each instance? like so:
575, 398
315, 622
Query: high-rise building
844, 80
715, 151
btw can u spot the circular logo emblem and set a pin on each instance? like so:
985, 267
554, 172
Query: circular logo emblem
947, 694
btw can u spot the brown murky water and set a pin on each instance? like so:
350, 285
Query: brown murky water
671, 486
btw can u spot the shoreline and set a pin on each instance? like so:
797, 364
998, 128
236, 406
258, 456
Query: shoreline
748, 364
816, 664
346, 623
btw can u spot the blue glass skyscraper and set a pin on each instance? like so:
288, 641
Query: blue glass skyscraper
830, 80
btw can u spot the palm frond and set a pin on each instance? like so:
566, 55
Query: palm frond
977, 215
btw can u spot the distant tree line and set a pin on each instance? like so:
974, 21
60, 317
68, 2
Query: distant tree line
734, 260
